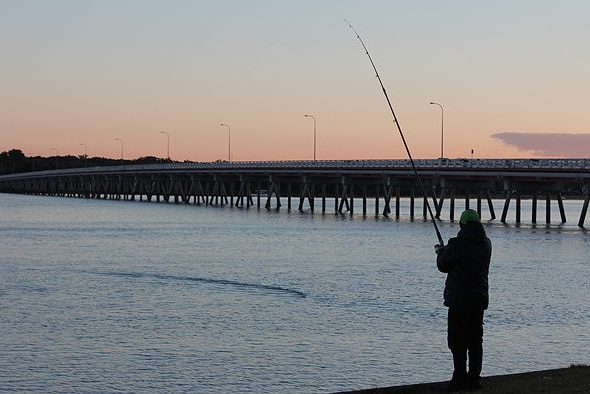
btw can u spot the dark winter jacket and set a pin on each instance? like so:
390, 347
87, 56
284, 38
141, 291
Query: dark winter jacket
466, 260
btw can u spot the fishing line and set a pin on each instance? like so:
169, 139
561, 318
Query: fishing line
440, 240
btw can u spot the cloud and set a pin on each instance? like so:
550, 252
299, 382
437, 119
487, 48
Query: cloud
548, 144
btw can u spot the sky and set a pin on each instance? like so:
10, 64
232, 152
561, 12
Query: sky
145, 77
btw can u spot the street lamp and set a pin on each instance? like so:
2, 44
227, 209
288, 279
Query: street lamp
168, 149
228, 142
121, 141
85, 154
56, 158
442, 128
314, 134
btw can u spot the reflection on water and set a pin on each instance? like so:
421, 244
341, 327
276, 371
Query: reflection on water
127, 296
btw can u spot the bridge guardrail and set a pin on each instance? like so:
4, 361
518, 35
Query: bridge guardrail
459, 163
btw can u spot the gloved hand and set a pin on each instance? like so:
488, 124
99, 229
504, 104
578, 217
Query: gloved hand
438, 248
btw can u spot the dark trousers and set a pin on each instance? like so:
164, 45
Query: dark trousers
465, 336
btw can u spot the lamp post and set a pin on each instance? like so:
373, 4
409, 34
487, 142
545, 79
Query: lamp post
442, 128
228, 142
121, 141
168, 146
85, 154
314, 135
56, 158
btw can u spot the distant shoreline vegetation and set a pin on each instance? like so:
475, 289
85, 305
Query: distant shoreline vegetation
15, 161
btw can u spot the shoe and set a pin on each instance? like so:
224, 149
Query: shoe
457, 383
474, 383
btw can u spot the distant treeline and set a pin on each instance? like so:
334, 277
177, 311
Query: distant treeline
15, 161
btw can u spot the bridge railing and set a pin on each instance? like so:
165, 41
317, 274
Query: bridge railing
460, 163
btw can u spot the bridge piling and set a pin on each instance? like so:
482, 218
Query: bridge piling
479, 203
452, 207
534, 209
506, 206
351, 210
548, 208
561, 208
441, 201
364, 196
491, 205
387, 200
586, 193
377, 190
519, 209
412, 195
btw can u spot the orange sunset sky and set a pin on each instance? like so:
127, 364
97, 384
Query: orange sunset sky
512, 77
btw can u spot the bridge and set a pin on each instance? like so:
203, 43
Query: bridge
310, 183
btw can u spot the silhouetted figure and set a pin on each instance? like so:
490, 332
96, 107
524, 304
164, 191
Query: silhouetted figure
466, 261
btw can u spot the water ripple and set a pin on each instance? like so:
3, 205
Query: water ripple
257, 286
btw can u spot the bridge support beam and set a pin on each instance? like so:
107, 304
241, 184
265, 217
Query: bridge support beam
506, 206
491, 205
561, 209
534, 209
586, 193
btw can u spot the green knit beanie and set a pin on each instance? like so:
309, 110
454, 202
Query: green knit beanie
469, 216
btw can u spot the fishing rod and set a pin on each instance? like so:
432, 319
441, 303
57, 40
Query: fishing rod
440, 240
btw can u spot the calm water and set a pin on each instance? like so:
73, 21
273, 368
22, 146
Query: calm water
113, 296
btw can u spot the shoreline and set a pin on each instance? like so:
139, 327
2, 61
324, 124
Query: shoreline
573, 379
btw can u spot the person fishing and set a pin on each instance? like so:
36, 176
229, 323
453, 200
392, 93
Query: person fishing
466, 261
